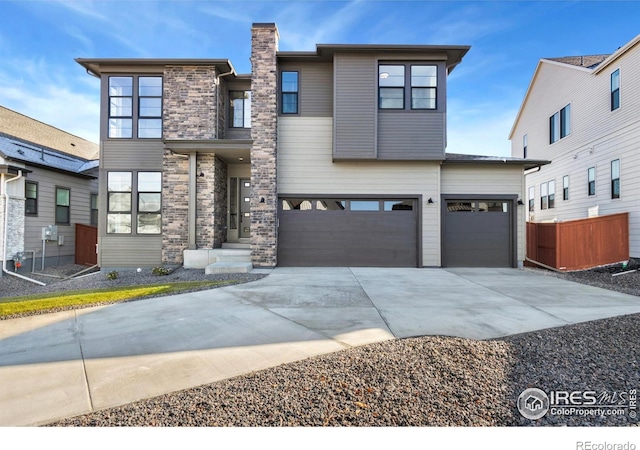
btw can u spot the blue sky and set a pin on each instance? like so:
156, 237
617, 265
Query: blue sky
39, 40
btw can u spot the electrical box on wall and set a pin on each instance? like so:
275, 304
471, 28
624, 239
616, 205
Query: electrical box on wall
50, 233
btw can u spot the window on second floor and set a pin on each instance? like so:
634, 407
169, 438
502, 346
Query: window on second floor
63, 206
615, 178
615, 90
552, 194
422, 85
146, 93
560, 124
289, 88
544, 196
525, 140
591, 181
240, 109
565, 187
31, 202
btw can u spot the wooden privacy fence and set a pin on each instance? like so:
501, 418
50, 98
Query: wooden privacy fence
579, 244
86, 241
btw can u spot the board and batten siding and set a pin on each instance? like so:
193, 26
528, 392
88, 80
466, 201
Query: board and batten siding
315, 87
79, 211
118, 250
491, 179
598, 136
355, 106
305, 166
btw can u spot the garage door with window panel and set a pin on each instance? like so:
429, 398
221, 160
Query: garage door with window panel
342, 232
478, 233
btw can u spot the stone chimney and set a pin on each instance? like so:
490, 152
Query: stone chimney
264, 120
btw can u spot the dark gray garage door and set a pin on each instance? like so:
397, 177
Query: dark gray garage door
348, 232
477, 233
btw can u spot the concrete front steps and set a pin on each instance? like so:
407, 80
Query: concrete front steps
231, 258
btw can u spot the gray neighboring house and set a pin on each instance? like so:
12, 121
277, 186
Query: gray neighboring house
332, 157
41, 185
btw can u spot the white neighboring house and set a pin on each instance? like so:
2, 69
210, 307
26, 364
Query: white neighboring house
583, 114
47, 177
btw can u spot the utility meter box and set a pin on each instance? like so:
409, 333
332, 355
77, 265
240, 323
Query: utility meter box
50, 233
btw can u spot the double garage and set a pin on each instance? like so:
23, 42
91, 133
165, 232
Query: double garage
386, 231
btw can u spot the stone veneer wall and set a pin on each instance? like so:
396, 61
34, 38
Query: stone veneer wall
175, 207
222, 109
211, 203
190, 102
15, 236
264, 116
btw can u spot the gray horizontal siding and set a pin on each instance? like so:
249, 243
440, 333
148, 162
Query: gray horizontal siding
128, 251
80, 211
315, 88
410, 135
355, 106
130, 154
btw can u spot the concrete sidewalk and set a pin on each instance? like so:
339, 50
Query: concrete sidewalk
70, 363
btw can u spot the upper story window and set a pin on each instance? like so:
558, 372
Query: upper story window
419, 82
615, 90
391, 86
240, 109
532, 198
289, 88
565, 187
560, 124
146, 93
525, 140
93, 219
424, 82
31, 202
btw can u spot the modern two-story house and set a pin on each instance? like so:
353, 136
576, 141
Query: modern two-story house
581, 113
48, 179
333, 157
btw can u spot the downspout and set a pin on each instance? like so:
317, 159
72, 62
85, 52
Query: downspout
6, 233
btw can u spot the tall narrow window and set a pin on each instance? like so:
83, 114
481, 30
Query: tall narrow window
525, 140
120, 107
615, 178
532, 198
94, 210
554, 128
552, 194
615, 90
240, 109
544, 196
391, 86
565, 187
63, 203
424, 82
149, 202
565, 121
119, 202
150, 109
31, 202
591, 180
289, 89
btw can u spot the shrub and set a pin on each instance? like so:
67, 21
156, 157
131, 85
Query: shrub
160, 271
113, 275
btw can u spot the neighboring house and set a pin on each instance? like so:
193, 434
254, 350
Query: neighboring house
47, 177
582, 114
333, 157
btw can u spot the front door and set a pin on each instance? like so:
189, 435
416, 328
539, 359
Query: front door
245, 208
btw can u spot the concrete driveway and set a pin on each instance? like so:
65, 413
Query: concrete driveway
70, 363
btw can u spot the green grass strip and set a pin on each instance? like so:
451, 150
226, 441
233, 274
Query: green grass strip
43, 302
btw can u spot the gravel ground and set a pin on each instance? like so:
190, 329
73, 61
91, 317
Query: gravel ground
425, 381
